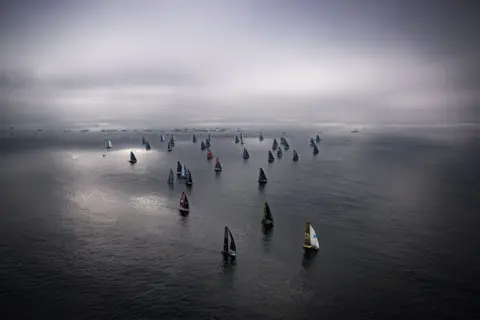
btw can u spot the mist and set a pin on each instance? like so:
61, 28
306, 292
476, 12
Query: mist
349, 61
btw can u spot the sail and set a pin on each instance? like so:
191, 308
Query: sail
184, 171
261, 175
233, 247
270, 156
242, 136
307, 243
236, 139
202, 146
218, 166
207, 143
189, 178
225, 240
311, 141
314, 238
144, 141
286, 145
315, 149
241, 141
295, 155
133, 159
194, 139
245, 154
317, 138
162, 138
173, 137
169, 146
267, 214
170, 177
279, 152
275, 144
179, 167
260, 137
184, 202
209, 137
147, 146
109, 144
209, 155
282, 140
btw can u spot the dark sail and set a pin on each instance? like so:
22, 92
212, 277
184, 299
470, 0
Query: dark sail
169, 147
184, 202
312, 142
295, 155
133, 159
225, 240
233, 247
261, 137
202, 146
275, 144
245, 154
144, 141
236, 139
270, 156
317, 138
189, 181
194, 139
148, 147
315, 149
267, 213
179, 168
261, 176
207, 143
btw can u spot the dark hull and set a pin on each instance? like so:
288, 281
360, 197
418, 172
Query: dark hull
262, 181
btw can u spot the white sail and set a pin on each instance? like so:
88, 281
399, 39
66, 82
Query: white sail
184, 171
314, 238
109, 144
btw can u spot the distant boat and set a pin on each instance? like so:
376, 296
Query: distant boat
162, 138
282, 140
245, 154
203, 146
262, 177
147, 146
286, 145
171, 179
172, 141
194, 138
184, 206
312, 143
133, 159
317, 138
232, 251
242, 137
275, 144
218, 166
179, 168
242, 141
109, 144
267, 220
144, 142
169, 146
260, 137
189, 181
207, 143
279, 153
315, 149
354, 130
270, 156
311, 241
173, 137
295, 155
209, 155
236, 139
209, 137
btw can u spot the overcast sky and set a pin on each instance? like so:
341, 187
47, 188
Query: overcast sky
342, 60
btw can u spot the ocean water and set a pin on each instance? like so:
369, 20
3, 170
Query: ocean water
396, 210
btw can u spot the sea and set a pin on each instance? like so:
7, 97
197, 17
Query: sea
86, 235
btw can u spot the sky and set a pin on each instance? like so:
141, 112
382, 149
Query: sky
312, 60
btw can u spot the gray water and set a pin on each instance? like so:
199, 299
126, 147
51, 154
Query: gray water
396, 211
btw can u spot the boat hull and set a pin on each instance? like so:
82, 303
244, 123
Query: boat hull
267, 224
132, 162
218, 170
262, 181
183, 210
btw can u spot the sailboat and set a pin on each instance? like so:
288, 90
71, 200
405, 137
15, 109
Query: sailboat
275, 144
147, 146
171, 179
172, 141
133, 159
311, 241
262, 177
194, 139
242, 137
270, 156
317, 138
245, 154
260, 137
169, 146
144, 142
162, 138
189, 181
232, 251
184, 206
109, 144
207, 143
218, 166
209, 137
173, 137
282, 140
286, 145
279, 152
315, 149
267, 220
242, 141
179, 168
295, 155
209, 155
236, 139
311, 142
202, 146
